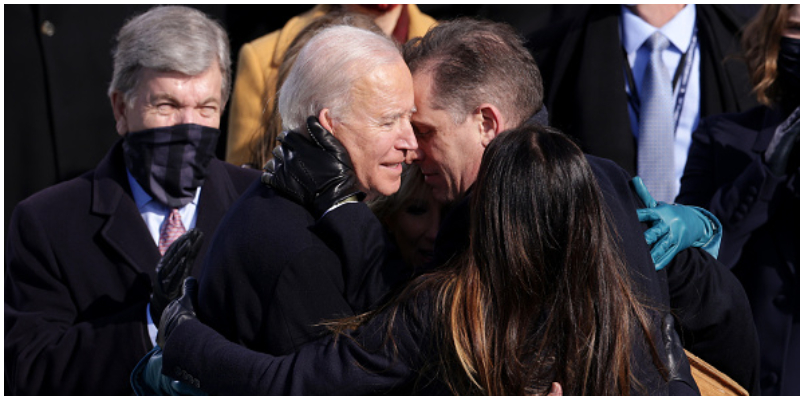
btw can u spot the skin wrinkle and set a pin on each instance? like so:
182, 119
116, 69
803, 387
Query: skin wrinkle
377, 151
170, 98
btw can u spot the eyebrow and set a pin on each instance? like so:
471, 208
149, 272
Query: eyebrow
167, 96
163, 96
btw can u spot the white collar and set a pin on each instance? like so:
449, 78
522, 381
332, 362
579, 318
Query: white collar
678, 30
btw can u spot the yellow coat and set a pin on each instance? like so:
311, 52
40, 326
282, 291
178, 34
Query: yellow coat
257, 69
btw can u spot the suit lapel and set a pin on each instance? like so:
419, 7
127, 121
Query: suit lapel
124, 231
600, 90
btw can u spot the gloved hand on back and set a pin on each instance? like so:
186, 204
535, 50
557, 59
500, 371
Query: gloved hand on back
676, 227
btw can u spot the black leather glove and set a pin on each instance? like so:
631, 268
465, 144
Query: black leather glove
313, 169
178, 311
172, 269
785, 141
672, 347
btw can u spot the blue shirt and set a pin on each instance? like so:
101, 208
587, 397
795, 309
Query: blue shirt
155, 214
635, 31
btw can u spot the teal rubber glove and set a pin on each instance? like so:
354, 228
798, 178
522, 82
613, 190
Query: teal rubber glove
676, 227
147, 379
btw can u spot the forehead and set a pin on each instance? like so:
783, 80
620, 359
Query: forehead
210, 80
388, 86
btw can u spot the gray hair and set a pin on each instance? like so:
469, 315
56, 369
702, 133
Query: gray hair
327, 68
173, 38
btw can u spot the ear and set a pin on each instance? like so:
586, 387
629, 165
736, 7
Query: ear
119, 110
491, 123
326, 120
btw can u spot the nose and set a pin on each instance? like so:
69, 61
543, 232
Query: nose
186, 115
407, 140
412, 156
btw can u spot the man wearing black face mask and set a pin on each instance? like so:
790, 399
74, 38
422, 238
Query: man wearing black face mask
745, 169
81, 255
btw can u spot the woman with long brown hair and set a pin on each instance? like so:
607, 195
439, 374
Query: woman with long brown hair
541, 296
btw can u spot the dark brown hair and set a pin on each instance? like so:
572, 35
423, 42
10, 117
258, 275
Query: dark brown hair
475, 61
761, 50
542, 294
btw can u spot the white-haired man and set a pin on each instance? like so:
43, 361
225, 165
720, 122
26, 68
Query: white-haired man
279, 267
81, 255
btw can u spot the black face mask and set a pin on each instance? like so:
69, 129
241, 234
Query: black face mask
170, 162
789, 56
788, 70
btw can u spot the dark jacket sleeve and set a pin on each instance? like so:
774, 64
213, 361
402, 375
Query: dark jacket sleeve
743, 204
716, 323
49, 347
365, 363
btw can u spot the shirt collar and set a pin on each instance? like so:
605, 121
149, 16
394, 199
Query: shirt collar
142, 198
678, 30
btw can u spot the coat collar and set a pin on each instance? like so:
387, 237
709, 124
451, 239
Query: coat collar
125, 231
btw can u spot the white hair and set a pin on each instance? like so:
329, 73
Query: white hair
327, 68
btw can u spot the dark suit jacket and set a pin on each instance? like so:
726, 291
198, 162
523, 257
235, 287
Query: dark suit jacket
761, 232
582, 63
712, 313
57, 125
276, 273
79, 264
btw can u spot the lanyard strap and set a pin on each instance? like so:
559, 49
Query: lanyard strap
682, 73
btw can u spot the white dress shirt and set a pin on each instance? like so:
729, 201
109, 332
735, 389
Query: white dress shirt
679, 30
155, 214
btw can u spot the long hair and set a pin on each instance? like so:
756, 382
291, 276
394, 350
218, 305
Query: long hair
761, 50
542, 294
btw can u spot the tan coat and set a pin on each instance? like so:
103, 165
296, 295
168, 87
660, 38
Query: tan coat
257, 70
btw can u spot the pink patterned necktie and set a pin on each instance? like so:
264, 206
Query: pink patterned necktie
172, 229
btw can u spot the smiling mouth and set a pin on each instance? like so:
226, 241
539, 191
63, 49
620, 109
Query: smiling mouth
393, 166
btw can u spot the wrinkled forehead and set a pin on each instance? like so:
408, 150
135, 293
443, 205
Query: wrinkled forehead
385, 91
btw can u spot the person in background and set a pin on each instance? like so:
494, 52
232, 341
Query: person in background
411, 217
258, 63
53, 131
81, 255
262, 145
745, 168
631, 82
